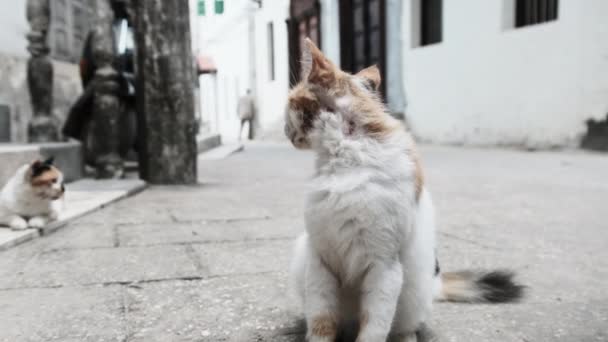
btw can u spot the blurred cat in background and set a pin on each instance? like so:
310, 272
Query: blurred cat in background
33, 196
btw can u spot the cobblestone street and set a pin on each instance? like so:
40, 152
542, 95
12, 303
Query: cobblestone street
209, 263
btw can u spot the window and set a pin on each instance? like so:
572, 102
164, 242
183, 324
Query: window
271, 51
219, 6
431, 22
363, 35
531, 12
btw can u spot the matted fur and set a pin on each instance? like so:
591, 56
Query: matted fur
368, 254
32, 197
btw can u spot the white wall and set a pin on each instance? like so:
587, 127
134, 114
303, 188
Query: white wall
13, 28
272, 94
491, 84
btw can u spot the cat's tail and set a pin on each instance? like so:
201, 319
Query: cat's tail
478, 287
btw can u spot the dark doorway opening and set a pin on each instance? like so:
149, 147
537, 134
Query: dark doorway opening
363, 36
304, 21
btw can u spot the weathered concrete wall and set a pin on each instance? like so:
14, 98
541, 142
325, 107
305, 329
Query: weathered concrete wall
68, 158
14, 92
488, 83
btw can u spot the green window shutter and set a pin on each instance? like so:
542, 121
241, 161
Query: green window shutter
201, 7
219, 6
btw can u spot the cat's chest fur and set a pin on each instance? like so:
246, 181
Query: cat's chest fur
357, 212
17, 199
28, 205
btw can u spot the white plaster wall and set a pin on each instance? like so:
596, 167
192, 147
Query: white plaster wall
272, 94
491, 84
13, 28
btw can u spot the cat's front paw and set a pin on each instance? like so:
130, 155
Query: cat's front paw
37, 222
18, 223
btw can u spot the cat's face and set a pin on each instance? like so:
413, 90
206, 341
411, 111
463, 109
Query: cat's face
46, 180
325, 88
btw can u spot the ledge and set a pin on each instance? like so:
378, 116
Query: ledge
82, 197
68, 157
207, 142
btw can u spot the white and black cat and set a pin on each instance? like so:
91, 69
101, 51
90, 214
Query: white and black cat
33, 196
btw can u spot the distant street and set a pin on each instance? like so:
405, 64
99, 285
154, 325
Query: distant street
209, 262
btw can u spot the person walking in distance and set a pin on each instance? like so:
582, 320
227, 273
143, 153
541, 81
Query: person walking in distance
246, 111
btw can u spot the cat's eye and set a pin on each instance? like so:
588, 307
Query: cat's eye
54, 180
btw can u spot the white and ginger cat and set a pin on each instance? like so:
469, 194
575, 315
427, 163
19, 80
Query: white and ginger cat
368, 253
32, 197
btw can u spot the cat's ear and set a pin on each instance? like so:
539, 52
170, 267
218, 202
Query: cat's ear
34, 169
371, 77
36, 164
49, 161
317, 68
38, 167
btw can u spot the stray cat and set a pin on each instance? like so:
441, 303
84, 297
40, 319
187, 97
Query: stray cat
32, 197
368, 254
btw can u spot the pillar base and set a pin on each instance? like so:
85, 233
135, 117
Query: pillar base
43, 129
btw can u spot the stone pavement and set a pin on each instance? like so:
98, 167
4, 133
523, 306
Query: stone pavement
208, 263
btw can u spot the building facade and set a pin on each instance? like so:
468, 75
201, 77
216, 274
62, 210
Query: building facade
524, 73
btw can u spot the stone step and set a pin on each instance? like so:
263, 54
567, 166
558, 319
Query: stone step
221, 152
68, 157
82, 197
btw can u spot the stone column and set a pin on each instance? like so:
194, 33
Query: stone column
43, 127
107, 107
167, 124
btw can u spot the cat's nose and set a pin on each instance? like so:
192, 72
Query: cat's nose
62, 188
